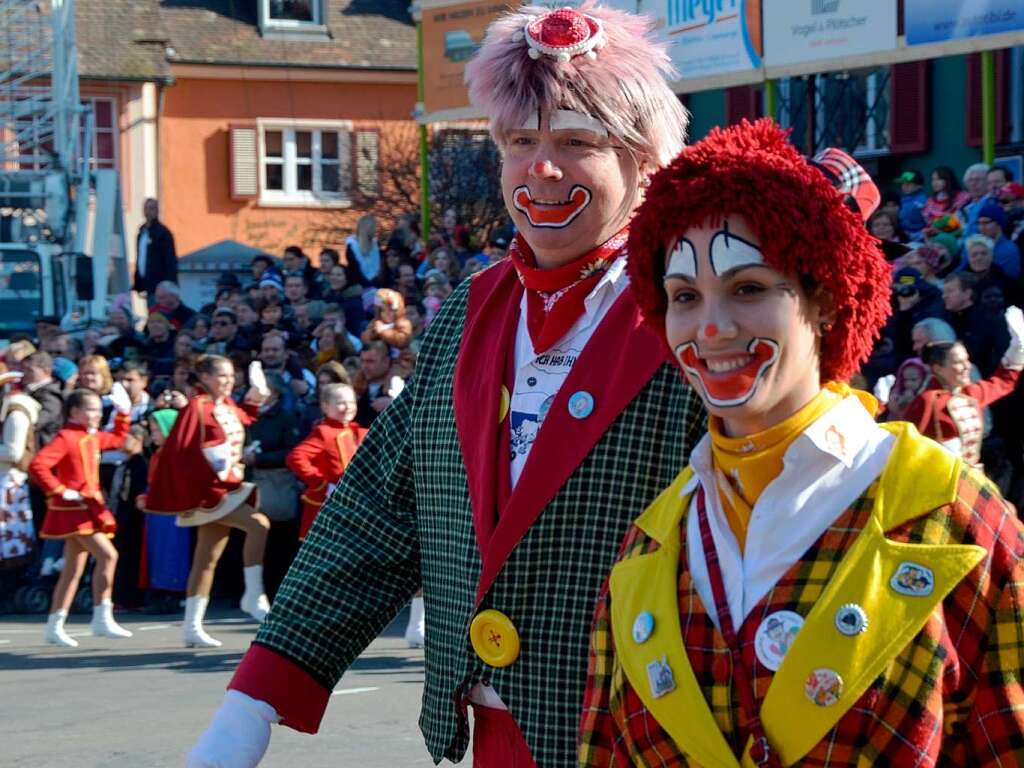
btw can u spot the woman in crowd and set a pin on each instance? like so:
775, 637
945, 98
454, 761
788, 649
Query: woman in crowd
814, 588
19, 414
929, 261
947, 197
159, 345
980, 251
205, 446
363, 250
67, 471
951, 409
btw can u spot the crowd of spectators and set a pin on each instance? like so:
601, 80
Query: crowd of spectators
352, 315
956, 248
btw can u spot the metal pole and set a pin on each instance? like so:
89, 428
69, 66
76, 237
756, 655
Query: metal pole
988, 107
424, 148
771, 99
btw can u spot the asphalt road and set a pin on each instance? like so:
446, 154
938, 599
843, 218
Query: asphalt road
141, 702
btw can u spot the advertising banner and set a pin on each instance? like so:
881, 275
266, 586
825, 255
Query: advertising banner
709, 37
803, 31
934, 21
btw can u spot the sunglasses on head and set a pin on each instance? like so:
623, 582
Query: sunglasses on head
905, 290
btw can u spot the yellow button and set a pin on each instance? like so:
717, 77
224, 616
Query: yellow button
494, 638
503, 406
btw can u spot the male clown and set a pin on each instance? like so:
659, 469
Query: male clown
503, 477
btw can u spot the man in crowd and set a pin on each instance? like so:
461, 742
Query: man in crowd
225, 336
276, 359
295, 290
510, 546
375, 386
976, 185
983, 333
991, 221
155, 259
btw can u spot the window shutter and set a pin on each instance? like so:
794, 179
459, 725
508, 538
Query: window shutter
346, 164
367, 162
972, 123
243, 161
741, 102
908, 107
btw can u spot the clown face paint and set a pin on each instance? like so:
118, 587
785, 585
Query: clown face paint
567, 184
744, 334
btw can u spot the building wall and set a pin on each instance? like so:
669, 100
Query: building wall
707, 109
194, 154
948, 107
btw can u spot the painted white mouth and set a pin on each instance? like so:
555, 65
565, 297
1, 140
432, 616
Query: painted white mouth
724, 366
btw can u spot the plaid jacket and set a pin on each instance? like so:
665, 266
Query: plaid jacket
935, 679
402, 518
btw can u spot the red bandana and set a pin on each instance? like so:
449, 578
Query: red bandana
554, 297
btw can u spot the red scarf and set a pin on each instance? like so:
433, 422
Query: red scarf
554, 297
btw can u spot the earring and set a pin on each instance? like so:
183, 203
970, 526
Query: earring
825, 328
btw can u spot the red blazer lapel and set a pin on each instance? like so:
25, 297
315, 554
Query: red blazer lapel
617, 362
492, 315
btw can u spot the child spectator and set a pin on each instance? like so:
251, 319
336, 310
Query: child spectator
913, 199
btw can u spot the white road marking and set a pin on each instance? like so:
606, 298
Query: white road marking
345, 691
151, 627
4, 642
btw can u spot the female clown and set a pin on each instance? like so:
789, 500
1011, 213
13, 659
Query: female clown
200, 481
813, 588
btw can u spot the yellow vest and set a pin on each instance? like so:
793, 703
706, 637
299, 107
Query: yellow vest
793, 723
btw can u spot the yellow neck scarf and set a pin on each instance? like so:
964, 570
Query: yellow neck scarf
744, 466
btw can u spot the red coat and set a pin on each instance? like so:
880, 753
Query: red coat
320, 460
71, 461
943, 415
186, 481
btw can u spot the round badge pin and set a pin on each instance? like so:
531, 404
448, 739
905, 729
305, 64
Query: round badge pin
643, 626
851, 620
775, 636
824, 687
581, 404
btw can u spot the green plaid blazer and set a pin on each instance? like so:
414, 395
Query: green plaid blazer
401, 519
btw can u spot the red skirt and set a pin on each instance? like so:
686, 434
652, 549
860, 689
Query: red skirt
497, 740
62, 523
310, 509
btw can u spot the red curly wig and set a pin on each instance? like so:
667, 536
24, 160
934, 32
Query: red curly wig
804, 225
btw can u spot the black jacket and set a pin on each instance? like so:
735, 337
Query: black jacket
51, 414
161, 258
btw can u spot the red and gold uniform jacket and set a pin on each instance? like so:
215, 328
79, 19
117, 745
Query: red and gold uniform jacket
956, 419
320, 460
71, 461
935, 678
186, 480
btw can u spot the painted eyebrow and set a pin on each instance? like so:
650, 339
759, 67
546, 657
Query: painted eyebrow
744, 245
693, 255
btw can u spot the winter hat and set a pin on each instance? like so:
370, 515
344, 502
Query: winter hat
64, 369
273, 279
947, 241
993, 211
1012, 191
164, 418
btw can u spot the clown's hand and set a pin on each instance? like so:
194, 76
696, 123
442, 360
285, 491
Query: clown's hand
1014, 357
257, 379
883, 388
119, 398
70, 494
238, 736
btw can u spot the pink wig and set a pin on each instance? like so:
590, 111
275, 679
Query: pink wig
625, 87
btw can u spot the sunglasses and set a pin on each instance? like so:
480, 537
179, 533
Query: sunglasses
905, 291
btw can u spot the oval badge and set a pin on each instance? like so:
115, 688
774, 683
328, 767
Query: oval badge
913, 580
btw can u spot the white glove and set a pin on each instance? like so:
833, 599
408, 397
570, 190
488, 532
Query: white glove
219, 459
238, 736
69, 494
883, 388
330, 489
1014, 357
119, 398
256, 378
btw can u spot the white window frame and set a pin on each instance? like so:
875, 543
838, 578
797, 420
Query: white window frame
291, 196
292, 24
115, 132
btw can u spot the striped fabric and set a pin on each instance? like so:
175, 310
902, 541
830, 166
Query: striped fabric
401, 518
952, 696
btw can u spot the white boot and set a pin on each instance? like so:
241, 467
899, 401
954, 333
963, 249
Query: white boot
254, 601
195, 637
55, 634
414, 629
103, 624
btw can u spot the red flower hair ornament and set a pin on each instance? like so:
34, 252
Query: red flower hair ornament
806, 225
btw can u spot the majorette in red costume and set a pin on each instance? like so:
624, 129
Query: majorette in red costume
67, 469
320, 459
500, 480
200, 479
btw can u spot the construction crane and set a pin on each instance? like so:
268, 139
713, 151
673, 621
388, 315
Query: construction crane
62, 244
